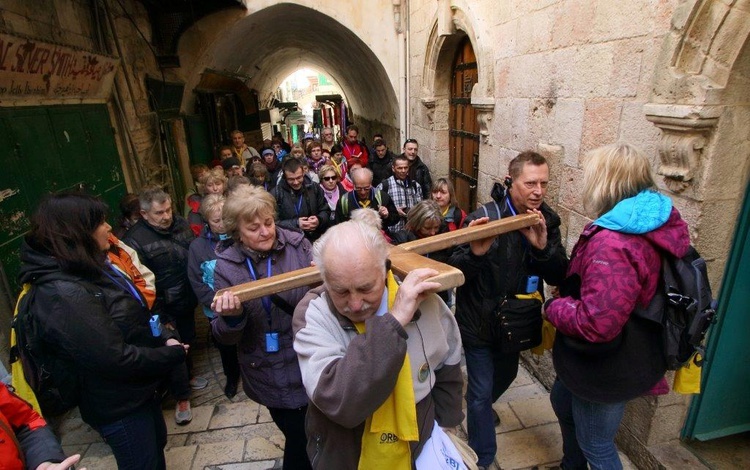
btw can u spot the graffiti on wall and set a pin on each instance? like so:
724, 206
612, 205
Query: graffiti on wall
34, 69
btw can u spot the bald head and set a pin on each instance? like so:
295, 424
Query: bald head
351, 257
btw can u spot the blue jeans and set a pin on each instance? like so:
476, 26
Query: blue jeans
138, 440
490, 373
588, 430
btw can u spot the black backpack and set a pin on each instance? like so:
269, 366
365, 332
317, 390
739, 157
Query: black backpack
684, 306
50, 374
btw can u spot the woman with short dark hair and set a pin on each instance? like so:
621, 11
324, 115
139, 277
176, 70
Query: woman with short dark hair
94, 318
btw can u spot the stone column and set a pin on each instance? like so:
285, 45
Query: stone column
485, 108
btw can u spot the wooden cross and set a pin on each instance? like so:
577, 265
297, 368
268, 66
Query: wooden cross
404, 258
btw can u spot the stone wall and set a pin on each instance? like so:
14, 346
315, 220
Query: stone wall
72, 23
566, 76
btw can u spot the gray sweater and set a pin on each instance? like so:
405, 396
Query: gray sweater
348, 376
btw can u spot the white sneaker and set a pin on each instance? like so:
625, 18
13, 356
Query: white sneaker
182, 412
198, 383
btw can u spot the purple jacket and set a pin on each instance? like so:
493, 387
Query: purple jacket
618, 271
271, 379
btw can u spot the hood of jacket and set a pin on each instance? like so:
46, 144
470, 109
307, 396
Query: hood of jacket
35, 263
650, 214
209, 235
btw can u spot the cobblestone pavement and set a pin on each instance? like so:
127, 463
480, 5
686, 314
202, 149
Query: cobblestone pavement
238, 434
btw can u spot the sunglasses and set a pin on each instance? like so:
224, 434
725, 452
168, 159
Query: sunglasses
329, 178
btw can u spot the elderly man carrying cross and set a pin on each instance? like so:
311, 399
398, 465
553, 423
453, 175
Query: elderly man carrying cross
379, 359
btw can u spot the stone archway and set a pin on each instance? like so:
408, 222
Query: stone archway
272, 40
452, 25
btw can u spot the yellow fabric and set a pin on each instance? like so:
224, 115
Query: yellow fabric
19, 383
687, 379
445, 211
238, 154
337, 166
397, 416
365, 204
548, 339
534, 295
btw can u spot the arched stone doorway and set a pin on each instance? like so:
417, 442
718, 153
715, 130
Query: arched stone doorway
464, 128
453, 31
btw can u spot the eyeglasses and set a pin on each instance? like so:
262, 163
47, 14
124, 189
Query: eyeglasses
363, 188
329, 178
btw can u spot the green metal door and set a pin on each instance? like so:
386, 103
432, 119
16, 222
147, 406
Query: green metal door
723, 408
198, 139
50, 149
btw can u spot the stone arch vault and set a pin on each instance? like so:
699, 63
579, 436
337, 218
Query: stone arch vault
269, 43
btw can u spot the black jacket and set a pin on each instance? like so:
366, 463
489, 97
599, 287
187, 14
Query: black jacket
103, 330
290, 207
502, 270
381, 167
165, 252
419, 172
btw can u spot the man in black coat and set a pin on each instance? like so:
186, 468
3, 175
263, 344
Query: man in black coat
418, 171
380, 162
162, 240
300, 202
495, 268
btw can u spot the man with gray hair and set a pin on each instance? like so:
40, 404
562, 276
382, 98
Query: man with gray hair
162, 240
366, 345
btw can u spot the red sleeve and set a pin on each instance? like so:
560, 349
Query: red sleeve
18, 412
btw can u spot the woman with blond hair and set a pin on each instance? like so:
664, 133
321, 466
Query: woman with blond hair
201, 266
210, 181
262, 328
423, 220
332, 189
444, 194
604, 355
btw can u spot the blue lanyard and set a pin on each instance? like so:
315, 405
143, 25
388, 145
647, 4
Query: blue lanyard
266, 300
128, 287
510, 206
211, 241
298, 206
513, 211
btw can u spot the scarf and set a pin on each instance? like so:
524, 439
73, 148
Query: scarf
339, 167
238, 154
332, 196
395, 419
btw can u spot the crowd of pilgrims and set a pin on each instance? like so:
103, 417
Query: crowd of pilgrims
96, 292
252, 214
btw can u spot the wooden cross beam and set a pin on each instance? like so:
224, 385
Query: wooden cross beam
404, 258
